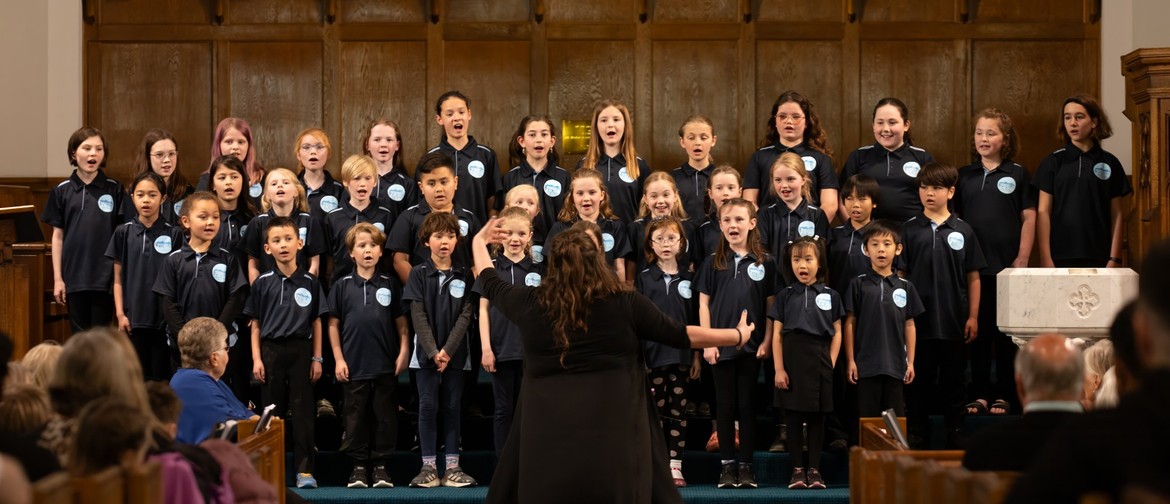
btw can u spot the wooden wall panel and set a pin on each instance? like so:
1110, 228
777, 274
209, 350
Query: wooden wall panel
1014, 11
383, 11
592, 11
498, 84
779, 67
697, 11
152, 11
581, 74
274, 11
384, 79
276, 86
906, 10
683, 76
805, 10
927, 76
1043, 75
496, 11
154, 85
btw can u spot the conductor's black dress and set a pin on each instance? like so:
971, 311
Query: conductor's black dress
584, 432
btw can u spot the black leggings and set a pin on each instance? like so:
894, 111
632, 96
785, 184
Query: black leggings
735, 384
992, 340
88, 309
796, 441
669, 386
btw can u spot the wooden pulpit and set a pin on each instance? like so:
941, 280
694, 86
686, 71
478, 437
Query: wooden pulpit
1147, 105
22, 258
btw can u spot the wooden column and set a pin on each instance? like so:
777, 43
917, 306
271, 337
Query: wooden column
1147, 105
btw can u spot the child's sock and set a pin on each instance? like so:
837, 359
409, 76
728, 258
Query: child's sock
429, 461
676, 468
452, 461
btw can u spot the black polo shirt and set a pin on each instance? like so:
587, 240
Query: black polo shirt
403, 237
142, 251
937, 262
310, 230
1082, 185
881, 307
324, 199
896, 173
744, 285
706, 239
991, 201
478, 172
758, 174
200, 284
254, 192
636, 232
285, 307
169, 211
692, 189
625, 192
337, 224
807, 309
847, 257
675, 297
442, 294
367, 310
88, 213
614, 237
780, 225
552, 184
396, 191
505, 334
232, 226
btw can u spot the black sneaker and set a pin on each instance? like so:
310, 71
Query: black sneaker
357, 479
747, 476
798, 480
839, 446
381, 479
729, 476
780, 443
814, 479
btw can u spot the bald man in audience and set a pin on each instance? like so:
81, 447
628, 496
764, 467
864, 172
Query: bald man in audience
1049, 379
1124, 453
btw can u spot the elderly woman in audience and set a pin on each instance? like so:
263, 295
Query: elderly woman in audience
40, 361
1098, 360
203, 346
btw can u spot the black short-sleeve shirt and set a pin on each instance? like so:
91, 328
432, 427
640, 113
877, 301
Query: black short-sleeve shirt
896, 173
992, 202
232, 225
88, 213
396, 191
758, 174
745, 284
675, 296
442, 294
403, 237
706, 239
847, 257
780, 225
505, 334
366, 310
937, 262
479, 175
807, 309
552, 185
337, 224
285, 307
324, 199
625, 192
311, 231
614, 237
142, 251
692, 189
881, 307
636, 234
1082, 185
200, 284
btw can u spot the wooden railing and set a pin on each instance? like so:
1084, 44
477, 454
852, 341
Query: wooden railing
266, 451
142, 485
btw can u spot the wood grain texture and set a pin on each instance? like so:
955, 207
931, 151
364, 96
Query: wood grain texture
155, 86
690, 78
906, 10
1042, 75
494, 11
274, 11
384, 79
924, 75
154, 12
1014, 11
384, 11
803, 10
592, 11
785, 65
276, 87
581, 74
696, 11
496, 77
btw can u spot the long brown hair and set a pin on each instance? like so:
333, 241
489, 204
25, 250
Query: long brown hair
1103, 129
176, 187
596, 147
814, 134
576, 277
753, 236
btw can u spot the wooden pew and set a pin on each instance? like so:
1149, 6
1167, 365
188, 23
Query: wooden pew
266, 451
105, 487
53, 489
873, 474
144, 484
873, 434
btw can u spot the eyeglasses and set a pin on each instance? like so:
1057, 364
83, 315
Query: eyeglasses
785, 117
312, 147
161, 156
666, 241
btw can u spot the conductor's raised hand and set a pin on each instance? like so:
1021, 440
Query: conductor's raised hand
492, 233
745, 328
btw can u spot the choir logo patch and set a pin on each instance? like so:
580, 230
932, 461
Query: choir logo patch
1006, 185
956, 240
178, 207
106, 203
532, 279
383, 296
255, 190
302, 297
463, 227
457, 287
810, 163
899, 297
684, 289
824, 301
381, 227
806, 228
552, 188
475, 168
537, 254
1102, 171
303, 232
607, 240
756, 272
328, 204
912, 168
624, 174
163, 245
396, 192
219, 273
243, 229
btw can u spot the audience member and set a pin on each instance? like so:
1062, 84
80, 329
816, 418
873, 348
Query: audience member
16, 485
17, 375
110, 432
1098, 360
41, 360
1049, 372
23, 410
1126, 364
203, 347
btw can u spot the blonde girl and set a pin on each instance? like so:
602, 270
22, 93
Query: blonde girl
611, 152
283, 197
697, 137
589, 201
659, 200
312, 150
792, 216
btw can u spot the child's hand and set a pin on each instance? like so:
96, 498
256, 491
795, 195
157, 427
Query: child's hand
441, 359
695, 371
781, 379
764, 352
853, 372
258, 370
314, 372
1020, 262
488, 361
124, 323
401, 363
1046, 262
971, 330
711, 355
909, 374
341, 371
59, 291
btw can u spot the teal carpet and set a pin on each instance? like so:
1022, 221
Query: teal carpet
705, 494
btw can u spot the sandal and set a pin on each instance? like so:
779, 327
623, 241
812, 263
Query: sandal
977, 407
1002, 405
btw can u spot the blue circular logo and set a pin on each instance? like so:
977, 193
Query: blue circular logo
381, 227
255, 191
383, 296
163, 244
178, 207
243, 229
956, 240
303, 232
912, 168
756, 272
303, 297
463, 227
607, 241
806, 228
475, 168
810, 163
396, 192
1006, 185
532, 279
824, 301
457, 287
684, 289
899, 297
1102, 171
552, 188
328, 204
106, 203
537, 254
219, 273
624, 174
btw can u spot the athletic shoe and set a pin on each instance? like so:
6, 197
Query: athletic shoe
814, 479
677, 474
428, 477
306, 480
798, 480
325, 408
779, 444
381, 479
357, 478
455, 477
747, 476
729, 476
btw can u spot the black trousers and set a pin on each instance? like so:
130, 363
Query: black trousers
816, 437
371, 421
842, 422
153, 353
286, 384
239, 369
735, 385
88, 309
992, 345
879, 393
505, 392
938, 384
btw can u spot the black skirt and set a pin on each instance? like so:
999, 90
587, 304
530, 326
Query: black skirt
810, 374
